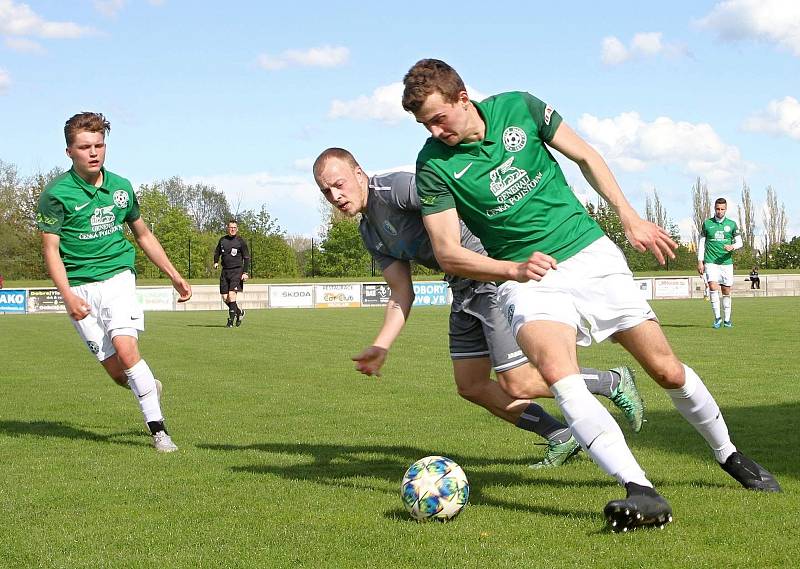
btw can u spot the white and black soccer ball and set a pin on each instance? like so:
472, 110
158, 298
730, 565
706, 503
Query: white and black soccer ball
434, 488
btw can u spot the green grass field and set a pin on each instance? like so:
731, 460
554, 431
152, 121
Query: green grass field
289, 458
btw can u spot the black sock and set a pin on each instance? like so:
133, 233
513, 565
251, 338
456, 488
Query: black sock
156, 426
231, 310
236, 308
535, 419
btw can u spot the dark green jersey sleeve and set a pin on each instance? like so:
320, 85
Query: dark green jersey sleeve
133, 209
49, 214
546, 118
434, 195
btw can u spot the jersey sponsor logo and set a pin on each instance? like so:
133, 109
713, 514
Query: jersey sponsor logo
457, 175
514, 139
121, 199
80, 207
719, 236
234, 251
548, 113
390, 229
103, 223
510, 184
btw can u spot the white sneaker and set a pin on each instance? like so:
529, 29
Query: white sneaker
163, 442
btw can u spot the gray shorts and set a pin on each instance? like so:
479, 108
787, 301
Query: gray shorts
478, 328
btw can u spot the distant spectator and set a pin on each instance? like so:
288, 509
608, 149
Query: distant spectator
1, 281
755, 281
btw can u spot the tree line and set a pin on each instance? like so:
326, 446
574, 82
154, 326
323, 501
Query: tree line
189, 219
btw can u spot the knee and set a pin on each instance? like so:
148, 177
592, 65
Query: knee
669, 374
470, 391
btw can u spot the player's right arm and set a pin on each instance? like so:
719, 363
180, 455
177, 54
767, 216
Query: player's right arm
398, 277
701, 253
76, 306
217, 253
444, 230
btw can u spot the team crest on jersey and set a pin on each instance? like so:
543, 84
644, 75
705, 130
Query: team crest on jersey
234, 251
514, 139
390, 229
121, 199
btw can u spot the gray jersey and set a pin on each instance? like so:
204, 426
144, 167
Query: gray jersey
392, 227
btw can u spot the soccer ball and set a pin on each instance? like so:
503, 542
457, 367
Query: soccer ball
434, 488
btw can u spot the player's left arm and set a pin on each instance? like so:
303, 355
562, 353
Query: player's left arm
245, 261
643, 235
155, 252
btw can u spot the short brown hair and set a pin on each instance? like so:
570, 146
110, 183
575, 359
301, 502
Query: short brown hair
426, 77
233, 221
88, 122
719, 201
338, 153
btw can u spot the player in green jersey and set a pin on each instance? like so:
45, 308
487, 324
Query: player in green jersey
81, 215
719, 238
564, 281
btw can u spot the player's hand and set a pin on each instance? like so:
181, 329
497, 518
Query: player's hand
245, 276
647, 236
183, 288
728, 247
534, 268
216, 265
76, 307
370, 360
701, 267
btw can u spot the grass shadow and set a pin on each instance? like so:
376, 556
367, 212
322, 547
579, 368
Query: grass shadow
54, 429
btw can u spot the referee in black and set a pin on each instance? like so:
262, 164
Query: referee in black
235, 266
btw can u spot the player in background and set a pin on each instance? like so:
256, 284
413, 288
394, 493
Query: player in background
81, 215
480, 339
235, 266
563, 281
719, 238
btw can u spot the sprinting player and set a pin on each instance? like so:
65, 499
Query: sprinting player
480, 339
564, 280
81, 215
235, 266
719, 237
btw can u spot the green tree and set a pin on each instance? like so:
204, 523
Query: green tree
787, 255
342, 252
171, 225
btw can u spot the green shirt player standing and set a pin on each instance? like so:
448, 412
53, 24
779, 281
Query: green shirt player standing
564, 281
719, 238
81, 215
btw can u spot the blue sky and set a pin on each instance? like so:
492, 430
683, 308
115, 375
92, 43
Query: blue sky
244, 95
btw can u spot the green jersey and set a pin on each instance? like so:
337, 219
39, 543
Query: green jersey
718, 234
89, 221
508, 188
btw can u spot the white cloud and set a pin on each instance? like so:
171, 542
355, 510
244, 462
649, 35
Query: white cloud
643, 44
781, 117
326, 56
303, 164
384, 104
771, 21
633, 145
20, 20
24, 45
292, 200
5, 81
109, 8
614, 51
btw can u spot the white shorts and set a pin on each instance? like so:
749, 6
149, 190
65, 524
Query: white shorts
593, 291
722, 274
114, 311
